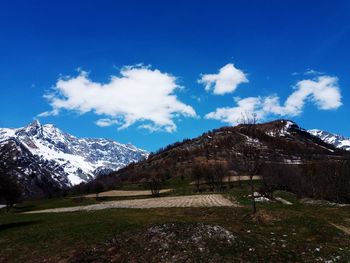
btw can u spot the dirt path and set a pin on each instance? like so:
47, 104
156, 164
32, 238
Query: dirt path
234, 178
345, 229
114, 193
173, 201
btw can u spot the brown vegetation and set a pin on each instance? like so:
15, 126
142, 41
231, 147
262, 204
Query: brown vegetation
278, 149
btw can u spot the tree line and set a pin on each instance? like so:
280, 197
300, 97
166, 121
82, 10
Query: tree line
318, 179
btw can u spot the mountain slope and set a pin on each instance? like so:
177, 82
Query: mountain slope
338, 141
45, 155
280, 141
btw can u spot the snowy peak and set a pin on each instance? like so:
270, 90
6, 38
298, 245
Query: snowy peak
30, 130
338, 141
70, 159
279, 128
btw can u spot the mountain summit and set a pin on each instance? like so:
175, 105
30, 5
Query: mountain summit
42, 154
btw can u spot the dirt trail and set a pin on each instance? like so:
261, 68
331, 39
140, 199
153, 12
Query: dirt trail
213, 200
121, 193
234, 178
345, 229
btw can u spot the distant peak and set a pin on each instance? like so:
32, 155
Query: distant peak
339, 141
35, 123
32, 128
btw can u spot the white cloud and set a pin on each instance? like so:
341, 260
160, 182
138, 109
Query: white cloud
308, 72
106, 122
323, 91
234, 115
139, 94
226, 81
313, 72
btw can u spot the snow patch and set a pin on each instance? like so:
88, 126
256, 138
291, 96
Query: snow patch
74, 179
6, 133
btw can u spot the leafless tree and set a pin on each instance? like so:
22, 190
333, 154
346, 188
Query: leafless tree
250, 118
230, 185
220, 171
252, 163
239, 181
155, 183
251, 154
98, 187
197, 175
208, 174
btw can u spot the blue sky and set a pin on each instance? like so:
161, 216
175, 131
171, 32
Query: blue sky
280, 47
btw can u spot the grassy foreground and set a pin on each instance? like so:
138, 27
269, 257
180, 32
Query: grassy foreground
278, 233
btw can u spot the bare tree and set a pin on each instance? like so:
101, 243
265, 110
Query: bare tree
230, 185
251, 153
208, 174
155, 184
239, 181
197, 175
98, 187
251, 159
250, 118
219, 170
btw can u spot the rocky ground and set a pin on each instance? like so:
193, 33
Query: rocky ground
168, 242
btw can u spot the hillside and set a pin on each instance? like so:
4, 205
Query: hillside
279, 141
285, 155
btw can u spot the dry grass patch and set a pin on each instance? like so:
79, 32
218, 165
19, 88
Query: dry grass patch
214, 200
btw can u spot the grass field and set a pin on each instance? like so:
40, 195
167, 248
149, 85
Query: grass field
277, 233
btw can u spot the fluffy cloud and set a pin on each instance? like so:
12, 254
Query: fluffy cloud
234, 115
139, 94
322, 91
226, 81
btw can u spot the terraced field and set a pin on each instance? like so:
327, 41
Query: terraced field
212, 200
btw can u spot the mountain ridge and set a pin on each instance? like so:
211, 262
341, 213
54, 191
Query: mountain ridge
280, 141
68, 160
339, 141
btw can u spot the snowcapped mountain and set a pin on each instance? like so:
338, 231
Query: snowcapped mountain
338, 141
45, 151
